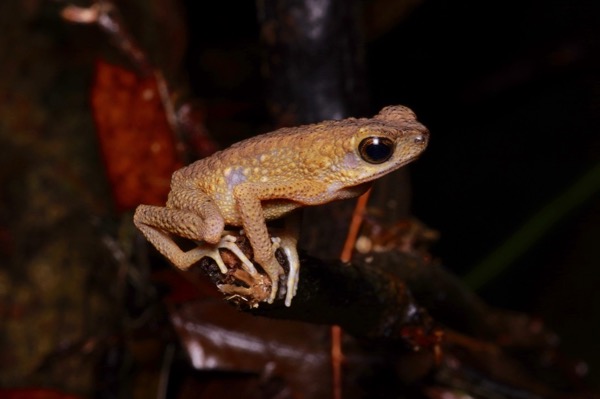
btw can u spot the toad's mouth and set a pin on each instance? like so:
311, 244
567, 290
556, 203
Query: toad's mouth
374, 176
362, 187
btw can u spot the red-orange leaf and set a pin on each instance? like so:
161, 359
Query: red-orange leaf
136, 140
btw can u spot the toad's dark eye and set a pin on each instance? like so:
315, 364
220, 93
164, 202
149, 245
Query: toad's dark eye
376, 149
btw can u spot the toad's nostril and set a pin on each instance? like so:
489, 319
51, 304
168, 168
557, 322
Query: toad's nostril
420, 139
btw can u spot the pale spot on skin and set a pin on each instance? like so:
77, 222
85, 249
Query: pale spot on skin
235, 177
333, 188
350, 161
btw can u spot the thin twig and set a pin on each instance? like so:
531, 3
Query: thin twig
337, 356
357, 219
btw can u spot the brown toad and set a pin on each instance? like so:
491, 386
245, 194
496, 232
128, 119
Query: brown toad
268, 176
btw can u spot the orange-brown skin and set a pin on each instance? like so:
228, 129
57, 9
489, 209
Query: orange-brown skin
268, 176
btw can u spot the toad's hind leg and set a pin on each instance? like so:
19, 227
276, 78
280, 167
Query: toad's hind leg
197, 219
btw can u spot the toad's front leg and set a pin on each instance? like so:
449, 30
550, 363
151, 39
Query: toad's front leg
248, 199
278, 199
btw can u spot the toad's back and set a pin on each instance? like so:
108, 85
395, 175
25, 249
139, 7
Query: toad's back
303, 165
274, 159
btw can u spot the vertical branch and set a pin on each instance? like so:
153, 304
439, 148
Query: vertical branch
315, 71
313, 59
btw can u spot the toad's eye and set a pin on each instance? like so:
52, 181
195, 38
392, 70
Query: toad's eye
376, 149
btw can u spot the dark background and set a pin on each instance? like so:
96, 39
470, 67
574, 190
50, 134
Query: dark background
511, 93
509, 89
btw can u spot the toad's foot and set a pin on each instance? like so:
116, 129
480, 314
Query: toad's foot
273, 270
257, 290
226, 242
288, 244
